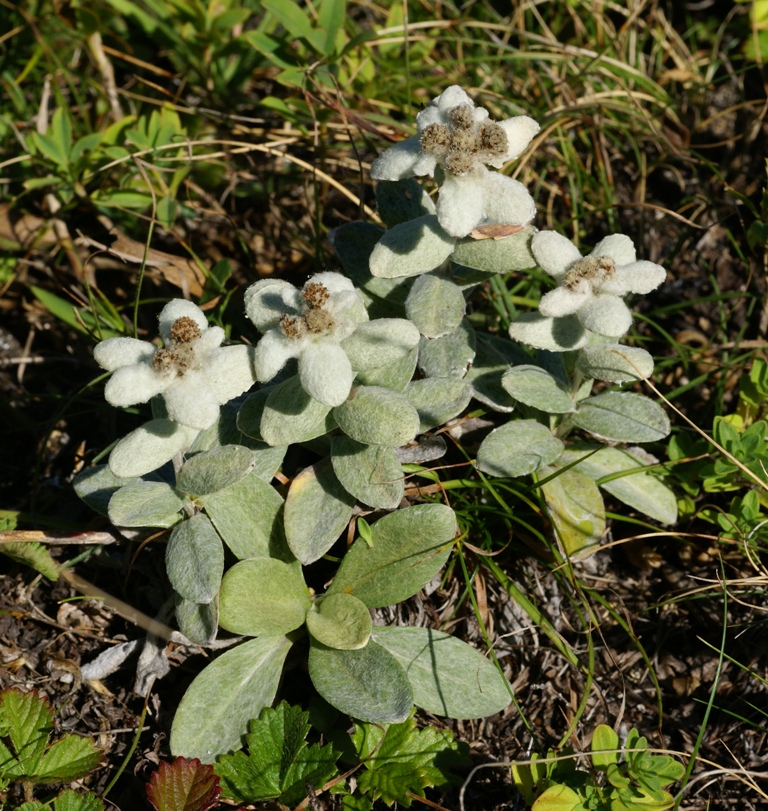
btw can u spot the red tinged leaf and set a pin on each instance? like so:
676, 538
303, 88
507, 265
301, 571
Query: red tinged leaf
184, 785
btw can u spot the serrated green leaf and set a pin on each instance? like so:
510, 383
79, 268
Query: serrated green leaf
435, 305
263, 596
622, 416
71, 800
194, 559
69, 758
279, 762
368, 683
411, 248
518, 448
33, 554
340, 621
247, 516
370, 473
184, 785
28, 722
406, 761
408, 548
215, 470
317, 510
145, 504
215, 710
448, 677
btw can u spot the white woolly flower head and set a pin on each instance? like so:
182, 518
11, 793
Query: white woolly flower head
461, 140
309, 325
591, 287
193, 372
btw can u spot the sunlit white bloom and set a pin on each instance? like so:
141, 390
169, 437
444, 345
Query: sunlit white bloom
455, 143
591, 287
192, 370
307, 324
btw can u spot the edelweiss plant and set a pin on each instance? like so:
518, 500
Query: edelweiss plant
355, 372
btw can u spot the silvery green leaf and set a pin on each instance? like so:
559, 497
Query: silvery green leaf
537, 388
614, 363
251, 411
380, 342
449, 356
145, 504
402, 200
377, 416
214, 470
96, 485
448, 677
291, 415
497, 255
427, 449
639, 490
518, 448
340, 621
194, 559
368, 684
494, 356
411, 248
576, 509
317, 510
214, 713
371, 473
199, 622
149, 447
438, 399
435, 305
622, 416
396, 376
553, 334
407, 548
248, 518
263, 597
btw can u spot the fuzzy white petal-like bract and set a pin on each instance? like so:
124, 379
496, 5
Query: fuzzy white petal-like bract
113, 353
606, 315
554, 252
461, 206
520, 132
326, 373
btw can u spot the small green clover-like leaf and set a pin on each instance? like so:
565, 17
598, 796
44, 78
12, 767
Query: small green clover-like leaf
279, 763
184, 785
405, 761
604, 738
340, 621
263, 596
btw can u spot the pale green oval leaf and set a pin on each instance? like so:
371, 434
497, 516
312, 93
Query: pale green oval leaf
406, 549
576, 509
604, 738
263, 597
411, 248
214, 713
145, 504
494, 356
368, 684
622, 416
214, 470
377, 416
614, 363
450, 355
448, 677
402, 200
290, 415
438, 399
497, 255
371, 473
380, 342
198, 622
340, 621
558, 798
537, 388
149, 447
435, 305
317, 510
194, 559
518, 448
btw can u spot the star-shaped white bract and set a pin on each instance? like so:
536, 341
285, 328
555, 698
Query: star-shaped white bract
591, 287
459, 140
309, 325
193, 371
